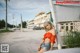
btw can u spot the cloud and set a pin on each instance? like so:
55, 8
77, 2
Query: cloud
29, 8
27, 5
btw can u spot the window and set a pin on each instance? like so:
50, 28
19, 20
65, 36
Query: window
66, 28
71, 23
61, 23
71, 28
62, 27
66, 23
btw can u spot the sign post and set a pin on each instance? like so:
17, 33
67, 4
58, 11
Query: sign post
53, 8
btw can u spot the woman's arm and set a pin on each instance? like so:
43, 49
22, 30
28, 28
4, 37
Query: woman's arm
52, 41
41, 42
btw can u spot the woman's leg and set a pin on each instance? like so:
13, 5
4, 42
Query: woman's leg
45, 46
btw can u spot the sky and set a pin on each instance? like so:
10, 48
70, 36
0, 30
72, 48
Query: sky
27, 8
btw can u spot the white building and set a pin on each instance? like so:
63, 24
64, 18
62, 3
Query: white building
41, 18
30, 24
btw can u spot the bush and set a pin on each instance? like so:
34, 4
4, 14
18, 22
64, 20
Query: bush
72, 39
1, 31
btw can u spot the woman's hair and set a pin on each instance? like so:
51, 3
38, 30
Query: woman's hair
48, 22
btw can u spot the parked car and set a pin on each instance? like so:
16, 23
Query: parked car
36, 28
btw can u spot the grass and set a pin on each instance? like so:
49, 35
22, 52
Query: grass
1, 31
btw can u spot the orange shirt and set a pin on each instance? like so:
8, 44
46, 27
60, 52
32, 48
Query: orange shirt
50, 36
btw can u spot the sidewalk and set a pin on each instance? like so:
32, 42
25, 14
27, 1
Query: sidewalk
69, 50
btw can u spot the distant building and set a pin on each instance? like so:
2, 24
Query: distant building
30, 24
41, 18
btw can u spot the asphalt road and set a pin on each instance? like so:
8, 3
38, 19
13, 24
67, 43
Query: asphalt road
22, 42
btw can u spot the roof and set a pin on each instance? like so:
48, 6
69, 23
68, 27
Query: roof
40, 13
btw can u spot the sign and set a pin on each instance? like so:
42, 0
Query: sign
67, 1
4, 48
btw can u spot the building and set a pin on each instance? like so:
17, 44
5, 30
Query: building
69, 26
41, 18
30, 24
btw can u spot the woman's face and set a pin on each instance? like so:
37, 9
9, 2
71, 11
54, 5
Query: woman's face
47, 26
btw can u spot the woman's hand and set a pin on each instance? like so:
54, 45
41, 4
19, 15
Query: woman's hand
51, 46
39, 48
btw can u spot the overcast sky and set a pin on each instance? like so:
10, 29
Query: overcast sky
28, 8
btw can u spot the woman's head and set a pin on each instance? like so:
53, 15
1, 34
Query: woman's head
48, 26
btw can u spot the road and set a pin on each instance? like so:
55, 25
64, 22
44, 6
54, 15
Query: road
22, 42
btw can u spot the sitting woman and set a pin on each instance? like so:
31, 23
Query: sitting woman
48, 39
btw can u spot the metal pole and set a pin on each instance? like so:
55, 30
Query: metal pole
13, 20
53, 8
21, 22
6, 17
16, 24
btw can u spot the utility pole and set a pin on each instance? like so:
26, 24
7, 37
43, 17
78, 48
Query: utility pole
13, 20
21, 22
6, 27
6, 17
53, 8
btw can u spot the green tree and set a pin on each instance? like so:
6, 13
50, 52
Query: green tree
2, 23
24, 24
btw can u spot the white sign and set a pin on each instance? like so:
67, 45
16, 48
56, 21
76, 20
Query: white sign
4, 48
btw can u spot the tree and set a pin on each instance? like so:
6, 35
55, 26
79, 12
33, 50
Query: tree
24, 24
2, 23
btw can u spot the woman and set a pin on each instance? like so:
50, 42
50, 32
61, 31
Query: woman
48, 39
